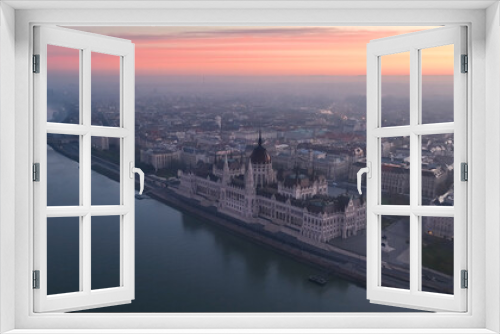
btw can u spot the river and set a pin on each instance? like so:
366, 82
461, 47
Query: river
184, 264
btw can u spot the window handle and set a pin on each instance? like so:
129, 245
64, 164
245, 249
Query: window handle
368, 171
134, 170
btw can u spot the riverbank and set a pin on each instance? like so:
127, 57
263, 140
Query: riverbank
330, 263
340, 265
330, 260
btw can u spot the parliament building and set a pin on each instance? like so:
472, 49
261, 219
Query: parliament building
291, 201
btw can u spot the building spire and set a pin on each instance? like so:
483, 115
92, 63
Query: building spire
260, 137
249, 181
226, 178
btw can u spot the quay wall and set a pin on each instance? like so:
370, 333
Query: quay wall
353, 269
331, 263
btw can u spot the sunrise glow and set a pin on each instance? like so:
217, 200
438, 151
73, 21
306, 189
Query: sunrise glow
253, 51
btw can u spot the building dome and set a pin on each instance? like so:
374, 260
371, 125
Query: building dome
259, 154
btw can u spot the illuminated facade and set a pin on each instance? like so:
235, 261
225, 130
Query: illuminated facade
291, 201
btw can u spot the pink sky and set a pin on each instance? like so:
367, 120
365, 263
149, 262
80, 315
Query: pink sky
253, 51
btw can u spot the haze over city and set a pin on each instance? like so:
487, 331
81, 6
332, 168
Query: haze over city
274, 117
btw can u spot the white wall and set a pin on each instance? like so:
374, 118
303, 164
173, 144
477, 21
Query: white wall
492, 164
7, 160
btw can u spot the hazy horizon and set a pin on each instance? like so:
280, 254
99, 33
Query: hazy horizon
252, 51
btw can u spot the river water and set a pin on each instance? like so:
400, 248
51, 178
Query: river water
184, 264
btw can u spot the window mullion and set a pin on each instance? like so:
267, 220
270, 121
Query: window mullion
67, 129
85, 178
85, 273
414, 167
81, 232
86, 120
393, 131
434, 129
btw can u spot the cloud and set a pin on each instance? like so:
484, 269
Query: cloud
165, 34
268, 50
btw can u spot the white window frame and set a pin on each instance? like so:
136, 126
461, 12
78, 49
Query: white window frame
123, 50
413, 43
484, 50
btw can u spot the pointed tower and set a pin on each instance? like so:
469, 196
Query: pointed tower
249, 182
251, 202
225, 172
214, 166
296, 170
242, 164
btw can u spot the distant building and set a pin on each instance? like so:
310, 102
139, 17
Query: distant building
432, 181
293, 200
253, 136
334, 167
100, 143
301, 186
396, 178
159, 158
353, 171
235, 167
352, 125
191, 156
442, 227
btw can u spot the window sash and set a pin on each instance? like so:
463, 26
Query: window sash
87, 43
414, 298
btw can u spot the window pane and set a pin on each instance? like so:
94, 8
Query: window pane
395, 170
437, 254
105, 252
105, 90
437, 84
395, 89
437, 169
63, 85
63, 255
395, 251
105, 163
63, 170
